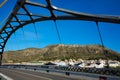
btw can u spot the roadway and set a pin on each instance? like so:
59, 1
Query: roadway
16, 74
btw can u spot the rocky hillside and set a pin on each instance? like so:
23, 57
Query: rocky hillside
62, 52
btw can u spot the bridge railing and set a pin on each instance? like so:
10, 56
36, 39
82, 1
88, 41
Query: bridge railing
103, 71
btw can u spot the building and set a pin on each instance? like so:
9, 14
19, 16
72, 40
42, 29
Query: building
113, 63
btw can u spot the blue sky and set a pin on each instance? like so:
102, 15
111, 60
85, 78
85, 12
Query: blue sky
71, 32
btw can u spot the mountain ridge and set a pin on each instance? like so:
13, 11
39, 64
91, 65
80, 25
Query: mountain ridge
62, 52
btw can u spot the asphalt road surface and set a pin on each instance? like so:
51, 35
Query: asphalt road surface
16, 74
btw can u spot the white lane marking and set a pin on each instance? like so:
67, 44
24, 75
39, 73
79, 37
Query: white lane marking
32, 75
6, 77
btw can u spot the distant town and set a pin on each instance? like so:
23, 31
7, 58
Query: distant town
72, 62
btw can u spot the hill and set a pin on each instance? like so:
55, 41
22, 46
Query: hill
62, 52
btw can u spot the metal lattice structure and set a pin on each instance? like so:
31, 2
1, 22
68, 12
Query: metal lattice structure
8, 29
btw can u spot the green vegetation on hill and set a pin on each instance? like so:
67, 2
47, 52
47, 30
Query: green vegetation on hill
62, 52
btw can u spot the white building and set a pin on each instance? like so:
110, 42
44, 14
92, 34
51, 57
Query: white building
113, 63
61, 63
82, 65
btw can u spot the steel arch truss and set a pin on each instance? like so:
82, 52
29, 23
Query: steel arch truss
14, 22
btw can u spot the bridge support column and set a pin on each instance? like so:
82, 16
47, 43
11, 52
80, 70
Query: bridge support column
0, 59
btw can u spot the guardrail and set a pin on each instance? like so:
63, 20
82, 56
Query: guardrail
105, 71
102, 74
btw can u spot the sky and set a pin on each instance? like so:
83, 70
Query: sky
71, 31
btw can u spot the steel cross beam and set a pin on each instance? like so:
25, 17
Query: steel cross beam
8, 29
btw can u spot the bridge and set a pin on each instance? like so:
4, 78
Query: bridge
14, 22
